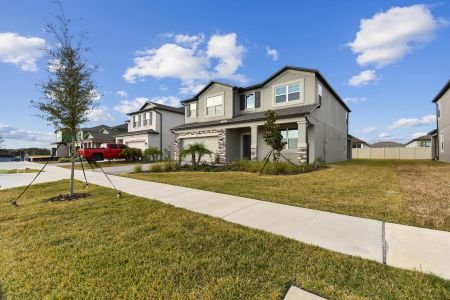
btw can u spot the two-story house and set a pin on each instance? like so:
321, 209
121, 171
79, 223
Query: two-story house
228, 119
150, 127
441, 137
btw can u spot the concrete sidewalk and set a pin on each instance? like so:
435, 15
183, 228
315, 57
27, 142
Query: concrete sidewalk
395, 245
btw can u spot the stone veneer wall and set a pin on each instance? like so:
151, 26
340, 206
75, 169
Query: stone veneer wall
302, 155
221, 136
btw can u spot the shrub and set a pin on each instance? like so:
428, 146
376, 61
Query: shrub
131, 154
156, 168
152, 153
138, 169
170, 166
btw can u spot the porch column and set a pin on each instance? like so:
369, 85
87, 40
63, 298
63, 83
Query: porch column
302, 142
254, 143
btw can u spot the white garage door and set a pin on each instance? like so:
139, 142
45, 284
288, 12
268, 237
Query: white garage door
139, 145
211, 143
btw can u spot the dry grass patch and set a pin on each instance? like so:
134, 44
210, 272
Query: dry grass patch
376, 189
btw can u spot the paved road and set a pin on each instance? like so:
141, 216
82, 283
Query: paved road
395, 245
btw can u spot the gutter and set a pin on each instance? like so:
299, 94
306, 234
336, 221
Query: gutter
308, 124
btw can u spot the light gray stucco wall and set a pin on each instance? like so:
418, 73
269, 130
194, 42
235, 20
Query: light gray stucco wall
214, 89
170, 120
444, 126
330, 128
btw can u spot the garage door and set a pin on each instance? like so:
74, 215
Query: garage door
211, 143
134, 144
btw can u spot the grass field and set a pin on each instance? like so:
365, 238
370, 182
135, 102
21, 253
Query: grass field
134, 248
407, 192
15, 171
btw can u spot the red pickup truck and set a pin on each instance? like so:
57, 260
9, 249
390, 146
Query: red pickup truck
106, 151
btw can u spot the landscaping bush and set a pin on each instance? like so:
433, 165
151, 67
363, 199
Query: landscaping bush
170, 166
138, 169
151, 154
156, 168
131, 154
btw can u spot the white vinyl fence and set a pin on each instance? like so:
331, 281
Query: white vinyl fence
393, 153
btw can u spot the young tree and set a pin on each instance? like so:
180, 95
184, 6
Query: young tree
67, 94
272, 134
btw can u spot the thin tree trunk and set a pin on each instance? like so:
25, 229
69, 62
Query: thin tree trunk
72, 171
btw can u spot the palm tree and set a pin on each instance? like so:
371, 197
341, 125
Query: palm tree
197, 151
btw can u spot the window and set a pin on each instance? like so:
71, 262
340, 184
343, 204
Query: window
438, 111
441, 141
192, 110
250, 101
147, 119
319, 93
290, 136
287, 93
214, 105
136, 121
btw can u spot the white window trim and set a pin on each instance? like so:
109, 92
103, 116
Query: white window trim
144, 119
286, 149
206, 105
188, 107
300, 81
254, 95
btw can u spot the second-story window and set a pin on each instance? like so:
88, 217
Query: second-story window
147, 119
214, 105
136, 121
438, 111
192, 110
285, 93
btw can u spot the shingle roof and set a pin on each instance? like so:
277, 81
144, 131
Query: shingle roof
258, 85
257, 116
442, 91
113, 131
179, 110
387, 145
420, 138
356, 140
150, 131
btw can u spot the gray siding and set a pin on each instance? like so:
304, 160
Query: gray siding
444, 126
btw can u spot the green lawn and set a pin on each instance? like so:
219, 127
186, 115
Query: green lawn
407, 192
133, 248
14, 171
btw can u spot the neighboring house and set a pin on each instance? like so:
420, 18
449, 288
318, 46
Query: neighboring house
358, 143
387, 145
421, 141
228, 119
94, 137
89, 137
442, 136
150, 127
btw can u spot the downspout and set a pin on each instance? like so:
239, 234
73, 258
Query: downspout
308, 124
160, 132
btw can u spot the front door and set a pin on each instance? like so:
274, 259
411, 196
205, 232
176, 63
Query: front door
247, 146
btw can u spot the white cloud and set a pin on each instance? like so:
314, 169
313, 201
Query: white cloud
389, 36
128, 106
413, 122
100, 114
363, 78
96, 96
122, 93
272, 53
186, 61
229, 54
355, 100
20, 50
191, 87
163, 87
23, 137
368, 130
417, 134
384, 135
191, 41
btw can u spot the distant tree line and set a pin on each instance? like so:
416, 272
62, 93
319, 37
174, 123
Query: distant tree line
22, 151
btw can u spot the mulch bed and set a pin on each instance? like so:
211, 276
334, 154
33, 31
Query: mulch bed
66, 197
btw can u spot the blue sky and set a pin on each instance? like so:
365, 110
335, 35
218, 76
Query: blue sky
388, 59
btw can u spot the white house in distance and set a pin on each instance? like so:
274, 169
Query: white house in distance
421, 141
150, 127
